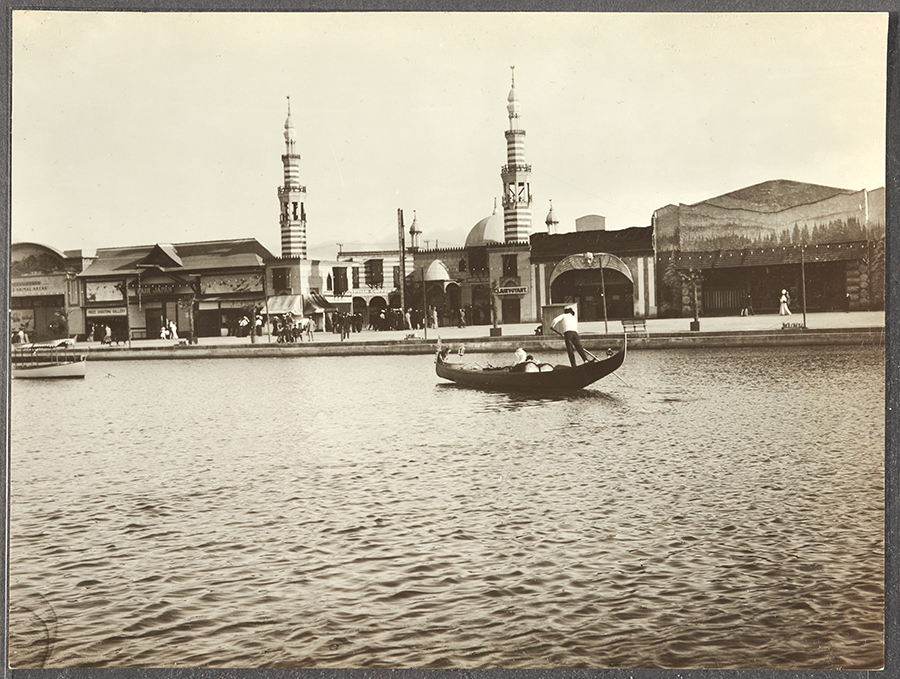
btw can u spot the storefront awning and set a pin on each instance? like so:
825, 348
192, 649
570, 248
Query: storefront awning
298, 305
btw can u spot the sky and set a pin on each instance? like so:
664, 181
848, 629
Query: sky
141, 128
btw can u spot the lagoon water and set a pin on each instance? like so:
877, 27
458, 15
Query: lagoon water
724, 509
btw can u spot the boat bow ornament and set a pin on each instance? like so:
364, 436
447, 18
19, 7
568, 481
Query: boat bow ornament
591, 260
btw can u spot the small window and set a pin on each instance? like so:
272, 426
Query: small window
510, 266
462, 265
328, 282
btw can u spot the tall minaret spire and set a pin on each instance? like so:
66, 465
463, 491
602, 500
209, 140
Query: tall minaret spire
516, 175
292, 196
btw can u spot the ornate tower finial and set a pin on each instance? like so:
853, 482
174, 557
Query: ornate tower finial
551, 220
292, 196
516, 175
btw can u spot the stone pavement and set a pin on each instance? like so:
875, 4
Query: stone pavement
655, 326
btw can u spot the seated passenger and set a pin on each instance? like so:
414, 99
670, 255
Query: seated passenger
528, 365
519, 357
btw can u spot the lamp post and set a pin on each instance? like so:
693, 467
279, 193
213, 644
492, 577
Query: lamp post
803, 282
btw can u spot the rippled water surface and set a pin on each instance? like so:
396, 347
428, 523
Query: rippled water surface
723, 509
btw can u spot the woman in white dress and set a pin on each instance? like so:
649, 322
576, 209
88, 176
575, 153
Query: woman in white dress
785, 300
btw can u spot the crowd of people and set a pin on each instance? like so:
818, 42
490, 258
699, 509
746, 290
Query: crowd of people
289, 329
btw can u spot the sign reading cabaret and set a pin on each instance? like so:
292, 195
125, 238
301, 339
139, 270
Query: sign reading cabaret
40, 285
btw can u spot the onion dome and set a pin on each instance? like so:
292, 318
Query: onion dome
551, 220
513, 106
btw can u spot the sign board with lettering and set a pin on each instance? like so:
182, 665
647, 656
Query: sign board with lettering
511, 291
33, 286
232, 283
110, 311
104, 291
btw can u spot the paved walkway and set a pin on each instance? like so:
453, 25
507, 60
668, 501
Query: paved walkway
655, 326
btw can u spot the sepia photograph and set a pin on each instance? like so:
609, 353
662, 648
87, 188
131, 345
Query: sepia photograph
447, 340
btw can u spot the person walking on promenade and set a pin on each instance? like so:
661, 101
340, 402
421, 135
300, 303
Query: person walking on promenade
783, 310
748, 306
566, 325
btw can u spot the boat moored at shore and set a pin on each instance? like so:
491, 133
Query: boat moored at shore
48, 360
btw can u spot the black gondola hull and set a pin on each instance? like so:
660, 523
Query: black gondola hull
562, 378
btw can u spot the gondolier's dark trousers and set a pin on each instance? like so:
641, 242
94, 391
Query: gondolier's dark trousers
573, 344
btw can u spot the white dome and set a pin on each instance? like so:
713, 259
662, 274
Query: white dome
437, 271
488, 230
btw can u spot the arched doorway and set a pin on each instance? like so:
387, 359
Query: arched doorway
481, 305
584, 278
376, 306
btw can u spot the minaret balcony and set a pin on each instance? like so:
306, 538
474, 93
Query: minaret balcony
286, 190
512, 169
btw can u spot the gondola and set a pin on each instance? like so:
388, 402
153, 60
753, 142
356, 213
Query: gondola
560, 378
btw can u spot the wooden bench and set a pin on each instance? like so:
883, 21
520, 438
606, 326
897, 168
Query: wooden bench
634, 324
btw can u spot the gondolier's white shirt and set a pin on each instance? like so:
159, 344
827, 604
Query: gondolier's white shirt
564, 323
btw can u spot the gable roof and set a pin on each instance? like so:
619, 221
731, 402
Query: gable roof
209, 255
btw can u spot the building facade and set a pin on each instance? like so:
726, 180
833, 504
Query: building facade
203, 288
744, 247
46, 297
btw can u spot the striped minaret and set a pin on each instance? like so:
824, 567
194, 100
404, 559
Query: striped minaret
292, 197
516, 176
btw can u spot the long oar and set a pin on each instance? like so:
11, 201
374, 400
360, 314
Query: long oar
592, 356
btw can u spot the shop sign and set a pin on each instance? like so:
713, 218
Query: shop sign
104, 291
229, 284
21, 319
511, 291
43, 285
111, 311
156, 288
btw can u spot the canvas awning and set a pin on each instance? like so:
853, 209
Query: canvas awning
298, 305
285, 304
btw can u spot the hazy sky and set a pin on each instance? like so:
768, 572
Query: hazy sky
137, 128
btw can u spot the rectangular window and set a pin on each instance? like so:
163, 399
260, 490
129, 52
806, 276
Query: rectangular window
374, 273
510, 267
478, 260
355, 277
281, 279
340, 280
396, 277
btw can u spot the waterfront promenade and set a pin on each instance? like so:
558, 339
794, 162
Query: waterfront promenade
822, 328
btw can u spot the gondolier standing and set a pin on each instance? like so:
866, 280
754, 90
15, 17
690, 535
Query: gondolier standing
567, 326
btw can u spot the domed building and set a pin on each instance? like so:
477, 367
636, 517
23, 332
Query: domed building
487, 262
488, 231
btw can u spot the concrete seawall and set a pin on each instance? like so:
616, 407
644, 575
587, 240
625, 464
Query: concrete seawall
592, 342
